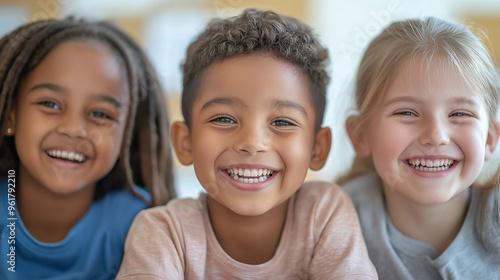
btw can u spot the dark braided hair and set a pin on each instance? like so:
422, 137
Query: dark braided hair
255, 32
145, 157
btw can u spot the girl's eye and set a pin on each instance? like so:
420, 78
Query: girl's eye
98, 114
50, 104
406, 113
282, 122
223, 119
460, 114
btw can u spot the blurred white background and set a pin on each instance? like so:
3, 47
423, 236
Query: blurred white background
165, 27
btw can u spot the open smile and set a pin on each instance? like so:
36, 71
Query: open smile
69, 156
432, 165
250, 176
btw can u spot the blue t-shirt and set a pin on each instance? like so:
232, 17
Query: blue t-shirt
93, 249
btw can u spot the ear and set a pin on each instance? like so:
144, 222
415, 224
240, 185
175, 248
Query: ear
11, 123
181, 140
492, 140
358, 138
321, 149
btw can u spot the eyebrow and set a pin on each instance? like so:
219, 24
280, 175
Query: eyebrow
59, 89
457, 100
287, 104
232, 101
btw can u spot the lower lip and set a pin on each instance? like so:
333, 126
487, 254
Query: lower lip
432, 174
250, 186
65, 164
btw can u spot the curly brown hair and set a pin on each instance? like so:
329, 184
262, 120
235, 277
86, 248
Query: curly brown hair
255, 32
145, 157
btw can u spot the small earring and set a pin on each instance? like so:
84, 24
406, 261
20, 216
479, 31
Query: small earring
9, 130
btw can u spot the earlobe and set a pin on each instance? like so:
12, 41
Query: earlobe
181, 140
358, 139
492, 140
9, 130
321, 148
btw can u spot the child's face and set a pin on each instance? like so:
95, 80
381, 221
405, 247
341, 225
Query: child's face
253, 117
70, 117
429, 137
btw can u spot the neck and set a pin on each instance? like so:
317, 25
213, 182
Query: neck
436, 224
47, 216
247, 239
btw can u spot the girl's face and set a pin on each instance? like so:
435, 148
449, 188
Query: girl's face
70, 117
429, 137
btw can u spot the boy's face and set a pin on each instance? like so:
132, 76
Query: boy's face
252, 135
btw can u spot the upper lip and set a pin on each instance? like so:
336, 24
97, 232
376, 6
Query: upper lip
248, 166
432, 157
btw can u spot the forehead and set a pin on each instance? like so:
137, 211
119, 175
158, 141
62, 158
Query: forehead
82, 65
259, 78
429, 78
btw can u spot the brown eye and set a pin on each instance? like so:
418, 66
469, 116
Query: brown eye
50, 104
99, 115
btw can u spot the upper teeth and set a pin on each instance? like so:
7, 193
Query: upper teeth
66, 155
431, 165
249, 175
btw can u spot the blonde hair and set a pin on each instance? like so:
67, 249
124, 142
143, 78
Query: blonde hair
405, 41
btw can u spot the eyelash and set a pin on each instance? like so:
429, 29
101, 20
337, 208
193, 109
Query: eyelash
95, 114
284, 122
50, 104
219, 119
228, 120
406, 113
455, 114
462, 114
102, 115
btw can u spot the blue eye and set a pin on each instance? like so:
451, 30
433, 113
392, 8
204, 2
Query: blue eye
50, 104
223, 119
461, 114
406, 113
99, 115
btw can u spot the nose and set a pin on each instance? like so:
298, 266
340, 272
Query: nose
72, 124
252, 139
434, 133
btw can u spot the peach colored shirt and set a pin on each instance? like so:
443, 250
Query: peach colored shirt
321, 239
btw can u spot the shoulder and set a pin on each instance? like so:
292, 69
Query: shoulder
118, 208
315, 191
363, 188
323, 200
176, 212
124, 202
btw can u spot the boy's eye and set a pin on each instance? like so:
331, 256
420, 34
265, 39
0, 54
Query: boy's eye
282, 122
223, 119
50, 104
98, 114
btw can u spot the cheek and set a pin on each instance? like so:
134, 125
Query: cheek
296, 152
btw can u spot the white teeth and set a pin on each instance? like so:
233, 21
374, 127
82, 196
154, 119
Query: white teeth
66, 155
249, 175
431, 165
